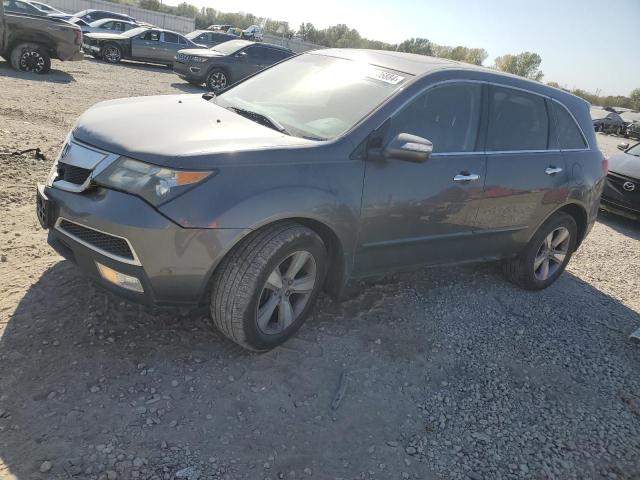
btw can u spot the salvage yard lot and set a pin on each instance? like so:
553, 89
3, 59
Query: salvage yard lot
450, 372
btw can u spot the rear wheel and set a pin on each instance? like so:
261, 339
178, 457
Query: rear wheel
546, 255
30, 57
265, 287
111, 53
217, 80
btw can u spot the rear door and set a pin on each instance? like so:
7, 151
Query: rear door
526, 175
145, 45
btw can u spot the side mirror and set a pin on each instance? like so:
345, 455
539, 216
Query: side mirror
241, 55
407, 147
623, 146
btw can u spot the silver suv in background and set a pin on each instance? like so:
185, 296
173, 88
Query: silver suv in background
332, 165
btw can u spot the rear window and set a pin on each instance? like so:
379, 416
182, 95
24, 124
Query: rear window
569, 134
517, 121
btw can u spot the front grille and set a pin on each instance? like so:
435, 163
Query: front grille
181, 57
72, 174
627, 187
115, 246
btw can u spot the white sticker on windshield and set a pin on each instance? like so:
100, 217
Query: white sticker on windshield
386, 77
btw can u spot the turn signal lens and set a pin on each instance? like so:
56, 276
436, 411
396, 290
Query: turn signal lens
605, 165
120, 279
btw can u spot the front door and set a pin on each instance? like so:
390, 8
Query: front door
146, 45
252, 59
419, 213
526, 174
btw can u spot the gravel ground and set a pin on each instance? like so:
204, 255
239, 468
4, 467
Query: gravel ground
450, 373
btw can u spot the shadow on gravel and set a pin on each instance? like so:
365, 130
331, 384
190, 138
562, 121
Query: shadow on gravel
188, 88
146, 67
626, 226
54, 76
100, 388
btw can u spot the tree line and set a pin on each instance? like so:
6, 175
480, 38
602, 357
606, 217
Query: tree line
525, 64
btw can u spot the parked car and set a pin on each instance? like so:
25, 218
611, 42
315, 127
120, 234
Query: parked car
209, 38
332, 165
632, 124
219, 28
91, 15
30, 42
254, 33
227, 63
108, 25
236, 32
607, 122
18, 6
47, 9
153, 45
621, 193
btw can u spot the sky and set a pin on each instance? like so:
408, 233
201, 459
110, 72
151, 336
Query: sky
588, 44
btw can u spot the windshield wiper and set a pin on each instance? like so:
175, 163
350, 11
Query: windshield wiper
260, 118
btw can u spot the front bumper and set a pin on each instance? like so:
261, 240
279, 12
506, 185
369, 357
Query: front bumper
90, 48
172, 263
190, 72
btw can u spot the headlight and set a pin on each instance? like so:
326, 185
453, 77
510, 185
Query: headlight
155, 184
199, 59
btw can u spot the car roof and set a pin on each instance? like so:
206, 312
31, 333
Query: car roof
422, 65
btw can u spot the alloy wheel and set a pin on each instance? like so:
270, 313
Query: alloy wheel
552, 253
217, 81
32, 61
286, 292
111, 54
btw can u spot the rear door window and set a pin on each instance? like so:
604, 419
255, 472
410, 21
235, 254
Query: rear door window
171, 37
517, 121
568, 133
447, 115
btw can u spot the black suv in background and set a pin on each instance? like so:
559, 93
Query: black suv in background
226, 63
607, 122
332, 165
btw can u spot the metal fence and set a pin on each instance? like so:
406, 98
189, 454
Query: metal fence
294, 44
162, 20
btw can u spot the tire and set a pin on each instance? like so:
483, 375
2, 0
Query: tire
111, 53
217, 80
253, 305
526, 271
30, 57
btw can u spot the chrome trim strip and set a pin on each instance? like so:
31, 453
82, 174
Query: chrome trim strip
135, 261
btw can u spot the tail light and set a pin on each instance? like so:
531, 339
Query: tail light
605, 164
78, 39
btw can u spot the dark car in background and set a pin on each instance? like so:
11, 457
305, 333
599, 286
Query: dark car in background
209, 38
606, 121
29, 42
621, 193
332, 165
152, 45
632, 124
91, 15
227, 63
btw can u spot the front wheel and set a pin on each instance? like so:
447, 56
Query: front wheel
217, 80
111, 53
546, 255
265, 287
30, 57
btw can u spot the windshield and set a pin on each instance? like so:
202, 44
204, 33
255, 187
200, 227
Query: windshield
635, 150
230, 47
314, 95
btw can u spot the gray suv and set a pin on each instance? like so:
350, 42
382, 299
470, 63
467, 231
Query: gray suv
332, 165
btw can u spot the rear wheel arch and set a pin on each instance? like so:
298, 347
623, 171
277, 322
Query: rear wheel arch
579, 214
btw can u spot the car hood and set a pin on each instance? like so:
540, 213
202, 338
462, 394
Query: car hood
182, 131
105, 36
202, 52
625, 164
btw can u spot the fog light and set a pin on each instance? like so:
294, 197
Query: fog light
120, 279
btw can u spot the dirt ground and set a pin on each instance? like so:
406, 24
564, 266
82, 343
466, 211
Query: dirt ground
451, 373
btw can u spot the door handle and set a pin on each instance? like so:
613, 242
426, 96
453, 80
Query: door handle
468, 177
551, 170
